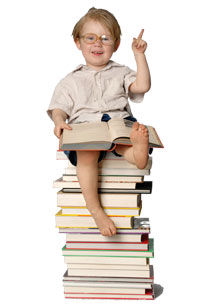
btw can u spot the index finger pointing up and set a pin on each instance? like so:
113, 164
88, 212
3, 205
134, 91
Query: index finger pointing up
141, 34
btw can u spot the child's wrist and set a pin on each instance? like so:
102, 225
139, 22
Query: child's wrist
58, 121
139, 55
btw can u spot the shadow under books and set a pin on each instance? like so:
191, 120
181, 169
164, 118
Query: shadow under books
158, 290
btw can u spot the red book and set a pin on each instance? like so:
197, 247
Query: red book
108, 245
149, 295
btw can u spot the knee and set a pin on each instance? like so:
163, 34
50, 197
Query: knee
87, 157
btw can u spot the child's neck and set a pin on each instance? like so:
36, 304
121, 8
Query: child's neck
95, 67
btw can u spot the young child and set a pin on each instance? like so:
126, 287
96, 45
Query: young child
99, 91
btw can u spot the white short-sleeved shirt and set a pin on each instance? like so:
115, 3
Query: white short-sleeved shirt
86, 94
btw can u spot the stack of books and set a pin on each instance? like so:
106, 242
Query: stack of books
98, 266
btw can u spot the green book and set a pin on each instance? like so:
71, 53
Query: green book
111, 252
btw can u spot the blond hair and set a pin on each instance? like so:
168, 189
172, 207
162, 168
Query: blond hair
106, 18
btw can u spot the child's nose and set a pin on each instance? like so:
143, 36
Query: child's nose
98, 42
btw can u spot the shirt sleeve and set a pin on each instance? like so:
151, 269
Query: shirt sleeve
61, 99
129, 78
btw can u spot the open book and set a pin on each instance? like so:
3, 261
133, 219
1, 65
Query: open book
101, 135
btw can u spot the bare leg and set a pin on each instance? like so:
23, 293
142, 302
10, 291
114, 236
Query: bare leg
138, 153
87, 172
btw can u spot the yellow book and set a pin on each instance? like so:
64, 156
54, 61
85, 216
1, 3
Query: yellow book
87, 221
110, 211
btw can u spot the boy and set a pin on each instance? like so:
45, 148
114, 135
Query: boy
97, 91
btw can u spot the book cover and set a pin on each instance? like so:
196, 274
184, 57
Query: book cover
108, 272
107, 178
110, 211
127, 238
117, 253
67, 277
141, 188
148, 296
75, 198
103, 290
107, 284
84, 221
101, 135
61, 183
102, 260
109, 245
140, 225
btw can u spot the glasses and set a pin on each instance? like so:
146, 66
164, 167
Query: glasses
91, 38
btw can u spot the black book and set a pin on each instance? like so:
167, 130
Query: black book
141, 188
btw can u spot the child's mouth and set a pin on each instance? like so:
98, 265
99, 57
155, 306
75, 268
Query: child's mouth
97, 53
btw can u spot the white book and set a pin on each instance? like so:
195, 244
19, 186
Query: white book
114, 171
92, 279
101, 245
141, 225
107, 284
61, 183
123, 211
108, 178
104, 260
105, 290
106, 199
149, 296
118, 163
101, 238
107, 273
110, 266
63, 220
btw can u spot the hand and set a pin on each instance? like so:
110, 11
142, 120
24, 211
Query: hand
139, 46
59, 126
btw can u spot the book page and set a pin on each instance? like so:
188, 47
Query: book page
86, 132
119, 128
120, 132
154, 140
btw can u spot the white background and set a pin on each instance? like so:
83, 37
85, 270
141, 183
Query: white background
37, 50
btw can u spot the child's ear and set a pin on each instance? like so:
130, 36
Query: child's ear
77, 42
117, 43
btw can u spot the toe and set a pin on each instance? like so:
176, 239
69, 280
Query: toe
142, 126
107, 232
113, 230
135, 125
102, 232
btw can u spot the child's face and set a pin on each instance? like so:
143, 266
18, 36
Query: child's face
96, 55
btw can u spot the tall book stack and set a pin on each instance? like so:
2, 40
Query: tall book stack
98, 266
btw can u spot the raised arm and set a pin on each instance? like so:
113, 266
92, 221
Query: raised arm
142, 83
59, 117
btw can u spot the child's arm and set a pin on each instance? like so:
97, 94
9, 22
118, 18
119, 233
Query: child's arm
142, 83
59, 117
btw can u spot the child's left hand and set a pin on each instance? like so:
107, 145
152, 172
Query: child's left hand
139, 46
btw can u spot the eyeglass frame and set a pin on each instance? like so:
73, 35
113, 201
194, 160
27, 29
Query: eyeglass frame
98, 38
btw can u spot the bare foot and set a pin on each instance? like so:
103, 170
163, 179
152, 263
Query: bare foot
104, 223
140, 140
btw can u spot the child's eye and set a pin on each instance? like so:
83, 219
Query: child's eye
106, 38
90, 38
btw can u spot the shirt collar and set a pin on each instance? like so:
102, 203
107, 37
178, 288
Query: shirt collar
107, 67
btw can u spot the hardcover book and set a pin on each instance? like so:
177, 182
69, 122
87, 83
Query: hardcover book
84, 221
101, 135
117, 253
